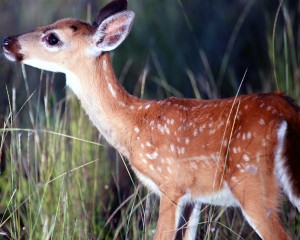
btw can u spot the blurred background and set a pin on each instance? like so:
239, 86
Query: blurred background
184, 48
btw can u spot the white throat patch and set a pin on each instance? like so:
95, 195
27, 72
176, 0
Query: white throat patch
72, 80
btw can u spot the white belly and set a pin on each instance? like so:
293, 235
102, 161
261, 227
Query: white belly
223, 197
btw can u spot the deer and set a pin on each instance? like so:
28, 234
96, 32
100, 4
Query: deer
237, 152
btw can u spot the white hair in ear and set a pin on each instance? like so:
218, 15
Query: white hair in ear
113, 31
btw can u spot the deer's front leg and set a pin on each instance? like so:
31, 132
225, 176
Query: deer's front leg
169, 213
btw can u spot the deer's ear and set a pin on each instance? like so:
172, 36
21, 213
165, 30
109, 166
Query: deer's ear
110, 9
113, 31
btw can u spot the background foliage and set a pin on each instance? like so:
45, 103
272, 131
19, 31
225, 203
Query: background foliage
59, 179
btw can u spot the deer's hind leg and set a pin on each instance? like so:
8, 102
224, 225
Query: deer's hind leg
258, 196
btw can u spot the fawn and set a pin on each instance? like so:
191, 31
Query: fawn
234, 152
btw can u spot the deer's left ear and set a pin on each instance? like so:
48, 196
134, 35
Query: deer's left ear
113, 31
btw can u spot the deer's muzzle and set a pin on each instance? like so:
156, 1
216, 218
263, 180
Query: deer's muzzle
11, 49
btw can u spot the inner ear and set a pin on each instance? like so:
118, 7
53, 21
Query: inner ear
113, 30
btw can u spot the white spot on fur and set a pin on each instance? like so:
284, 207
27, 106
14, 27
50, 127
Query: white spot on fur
234, 179
249, 135
104, 65
264, 142
180, 150
152, 156
201, 129
136, 129
122, 104
262, 121
172, 147
161, 128
257, 157
234, 150
212, 131
244, 137
195, 133
112, 91
167, 129
246, 158
152, 124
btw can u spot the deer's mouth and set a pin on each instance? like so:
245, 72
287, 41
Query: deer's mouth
14, 57
11, 49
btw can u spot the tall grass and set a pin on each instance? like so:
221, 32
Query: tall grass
62, 181
284, 52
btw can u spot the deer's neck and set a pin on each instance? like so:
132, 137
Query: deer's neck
106, 102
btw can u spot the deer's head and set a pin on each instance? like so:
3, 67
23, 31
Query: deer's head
61, 46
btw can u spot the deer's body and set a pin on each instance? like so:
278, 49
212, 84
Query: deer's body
232, 152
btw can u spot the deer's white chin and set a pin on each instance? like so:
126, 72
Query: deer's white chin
44, 65
10, 56
13, 57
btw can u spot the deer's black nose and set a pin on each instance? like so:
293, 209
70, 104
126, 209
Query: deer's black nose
7, 41
12, 49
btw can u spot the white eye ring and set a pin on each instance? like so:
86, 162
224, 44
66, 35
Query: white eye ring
52, 39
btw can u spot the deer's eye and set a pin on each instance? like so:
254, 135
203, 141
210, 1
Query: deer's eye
52, 39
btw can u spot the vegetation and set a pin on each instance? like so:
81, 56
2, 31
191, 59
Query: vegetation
60, 180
